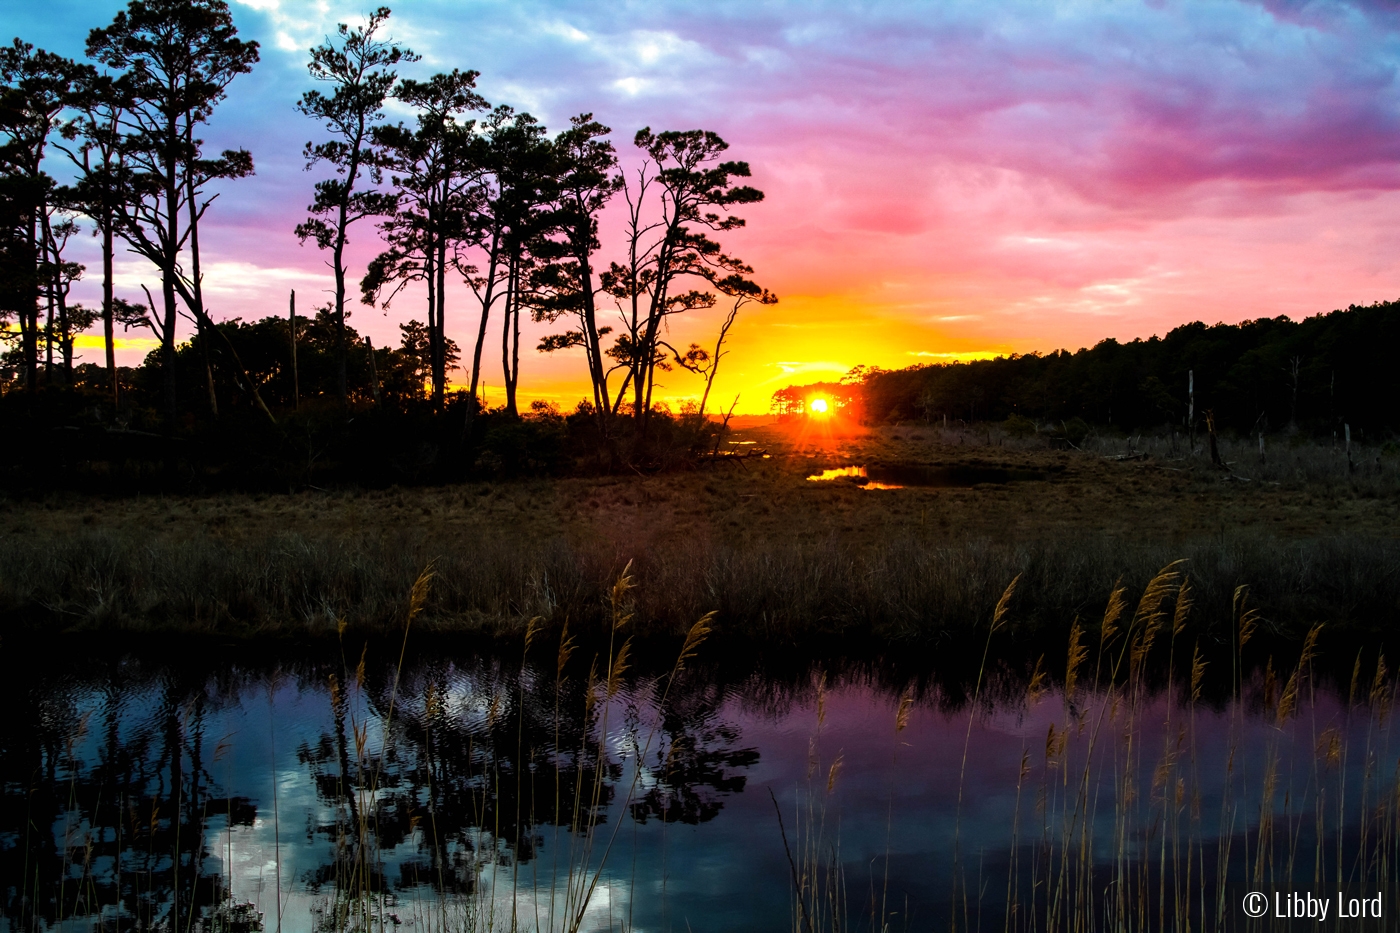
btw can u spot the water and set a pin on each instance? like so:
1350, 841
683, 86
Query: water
170, 787
898, 476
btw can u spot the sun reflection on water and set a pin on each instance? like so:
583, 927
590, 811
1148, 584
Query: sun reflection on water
857, 472
838, 472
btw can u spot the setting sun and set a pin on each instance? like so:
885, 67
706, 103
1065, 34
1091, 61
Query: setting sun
818, 406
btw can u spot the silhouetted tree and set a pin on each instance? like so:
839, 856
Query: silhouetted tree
508, 160
177, 58
358, 66
35, 84
1313, 374
663, 250
429, 169
64, 321
103, 180
416, 352
514, 189
584, 167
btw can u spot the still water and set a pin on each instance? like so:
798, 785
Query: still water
145, 793
899, 476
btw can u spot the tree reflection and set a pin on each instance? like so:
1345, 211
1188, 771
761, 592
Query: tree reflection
695, 762
107, 799
111, 808
488, 765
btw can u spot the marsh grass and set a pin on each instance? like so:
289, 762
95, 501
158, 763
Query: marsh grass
779, 557
1370, 469
905, 590
1113, 831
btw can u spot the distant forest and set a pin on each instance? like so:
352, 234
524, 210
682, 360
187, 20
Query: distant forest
1316, 376
477, 210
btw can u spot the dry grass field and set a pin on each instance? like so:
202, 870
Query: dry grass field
778, 554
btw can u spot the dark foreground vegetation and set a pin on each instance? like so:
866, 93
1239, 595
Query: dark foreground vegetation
77, 440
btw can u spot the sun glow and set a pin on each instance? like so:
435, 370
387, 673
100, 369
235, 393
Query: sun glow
818, 406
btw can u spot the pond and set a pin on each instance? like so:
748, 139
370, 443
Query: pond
898, 476
469, 791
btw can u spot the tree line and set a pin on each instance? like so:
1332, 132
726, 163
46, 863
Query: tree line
466, 197
1316, 376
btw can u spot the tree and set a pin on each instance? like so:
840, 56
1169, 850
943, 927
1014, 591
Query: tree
507, 158
691, 187
57, 275
505, 219
358, 67
102, 179
428, 167
705, 364
31, 100
177, 58
585, 163
416, 349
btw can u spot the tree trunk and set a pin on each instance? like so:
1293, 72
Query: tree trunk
342, 386
1215, 457
488, 296
108, 330
431, 279
65, 344
646, 353
292, 331
342, 224
597, 369
170, 261
48, 338
440, 358
510, 322
373, 371
167, 346
198, 282
719, 353
29, 308
514, 358
431, 267
50, 290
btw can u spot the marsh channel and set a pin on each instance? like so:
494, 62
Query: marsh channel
474, 790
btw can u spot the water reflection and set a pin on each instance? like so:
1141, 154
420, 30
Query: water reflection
146, 794
108, 788
898, 476
838, 472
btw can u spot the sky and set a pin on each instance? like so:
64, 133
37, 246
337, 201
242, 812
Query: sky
943, 181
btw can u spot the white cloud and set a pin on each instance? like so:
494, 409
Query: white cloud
632, 86
565, 31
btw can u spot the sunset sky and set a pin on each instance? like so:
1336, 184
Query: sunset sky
943, 180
